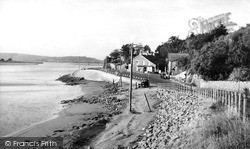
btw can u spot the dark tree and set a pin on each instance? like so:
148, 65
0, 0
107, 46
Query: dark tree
9, 60
147, 48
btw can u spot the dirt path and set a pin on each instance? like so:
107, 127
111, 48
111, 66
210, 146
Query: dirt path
126, 127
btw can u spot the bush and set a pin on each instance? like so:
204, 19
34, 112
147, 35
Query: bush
240, 74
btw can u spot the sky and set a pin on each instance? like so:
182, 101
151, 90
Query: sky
94, 28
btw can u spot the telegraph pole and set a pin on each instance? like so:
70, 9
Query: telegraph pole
131, 77
79, 62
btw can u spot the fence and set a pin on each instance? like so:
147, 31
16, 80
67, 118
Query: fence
117, 73
238, 101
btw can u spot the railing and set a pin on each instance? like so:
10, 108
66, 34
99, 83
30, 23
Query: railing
238, 101
120, 74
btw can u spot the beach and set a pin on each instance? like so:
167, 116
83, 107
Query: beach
82, 121
73, 117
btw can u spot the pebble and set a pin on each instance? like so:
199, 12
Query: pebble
175, 111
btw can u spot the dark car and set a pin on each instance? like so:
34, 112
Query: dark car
164, 76
144, 83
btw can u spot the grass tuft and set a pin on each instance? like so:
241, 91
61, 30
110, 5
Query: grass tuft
224, 130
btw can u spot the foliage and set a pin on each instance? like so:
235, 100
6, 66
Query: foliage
123, 55
240, 74
214, 55
106, 61
239, 53
173, 45
115, 54
184, 63
211, 61
147, 48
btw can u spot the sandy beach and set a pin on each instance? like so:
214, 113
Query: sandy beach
82, 122
71, 118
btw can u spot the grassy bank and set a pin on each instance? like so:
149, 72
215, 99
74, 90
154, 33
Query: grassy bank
223, 130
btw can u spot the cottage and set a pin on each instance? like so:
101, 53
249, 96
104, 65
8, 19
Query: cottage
145, 63
173, 62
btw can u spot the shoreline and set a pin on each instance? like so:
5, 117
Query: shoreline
20, 63
76, 115
86, 121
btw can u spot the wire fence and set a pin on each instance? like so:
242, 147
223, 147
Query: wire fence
238, 101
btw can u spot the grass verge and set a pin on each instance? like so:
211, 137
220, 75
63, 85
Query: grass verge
224, 130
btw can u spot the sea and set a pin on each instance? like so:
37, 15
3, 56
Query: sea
30, 94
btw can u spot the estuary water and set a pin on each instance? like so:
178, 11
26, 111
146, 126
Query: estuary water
29, 94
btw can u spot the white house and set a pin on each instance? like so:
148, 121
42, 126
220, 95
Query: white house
144, 63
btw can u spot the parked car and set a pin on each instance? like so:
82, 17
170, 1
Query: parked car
164, 76
144, 83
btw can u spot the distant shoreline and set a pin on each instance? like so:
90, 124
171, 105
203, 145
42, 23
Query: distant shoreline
37, 63
20, 63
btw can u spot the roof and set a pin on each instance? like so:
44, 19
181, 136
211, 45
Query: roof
151, 58
176, 56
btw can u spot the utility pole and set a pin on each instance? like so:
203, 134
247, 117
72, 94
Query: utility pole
131, 77
79, 62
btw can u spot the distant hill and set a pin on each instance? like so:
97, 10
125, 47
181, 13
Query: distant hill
37, 58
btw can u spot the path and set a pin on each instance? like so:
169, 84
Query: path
125, 128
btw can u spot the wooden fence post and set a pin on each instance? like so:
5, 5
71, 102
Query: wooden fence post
229, 98
213, 96
245, 114
235, 102
239, 103
232, 99
225, 97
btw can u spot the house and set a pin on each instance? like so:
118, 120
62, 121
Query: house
145, 63
173, 62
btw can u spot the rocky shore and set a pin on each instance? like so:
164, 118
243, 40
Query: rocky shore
110, 98
172, 122
70, 80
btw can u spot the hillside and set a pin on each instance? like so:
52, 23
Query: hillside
37, 58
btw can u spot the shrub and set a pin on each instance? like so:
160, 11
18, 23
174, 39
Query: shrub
240, 74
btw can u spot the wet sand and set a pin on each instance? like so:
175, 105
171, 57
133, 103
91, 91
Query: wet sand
82, 118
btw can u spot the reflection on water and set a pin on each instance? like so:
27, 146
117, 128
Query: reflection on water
30, 94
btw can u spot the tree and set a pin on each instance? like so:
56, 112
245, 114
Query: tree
2, 60
196, 42
184, 63
173, 45
9, 60
211, 61
147, 48
239, 52
115, 55
106, 61
162, 51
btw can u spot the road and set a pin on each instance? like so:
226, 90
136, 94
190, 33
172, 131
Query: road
153, 78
